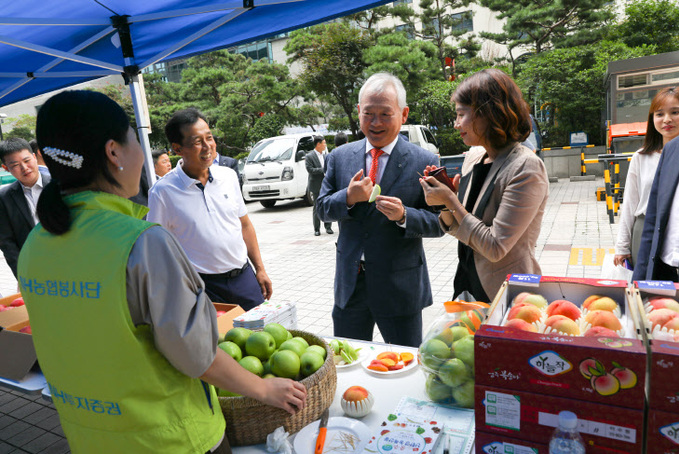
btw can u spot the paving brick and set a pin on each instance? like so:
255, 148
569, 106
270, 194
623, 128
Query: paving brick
26, 436
39, 415
26, 410
41, 443
5, 448
13, 429
13, 405
6, 397
6, 421
49, 423
60, 447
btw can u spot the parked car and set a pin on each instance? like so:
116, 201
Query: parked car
422, 136
275, 170
453, 164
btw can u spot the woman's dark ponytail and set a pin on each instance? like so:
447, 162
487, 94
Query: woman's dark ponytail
52, 211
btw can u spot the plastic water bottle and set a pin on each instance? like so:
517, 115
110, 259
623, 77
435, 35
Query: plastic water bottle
566, 438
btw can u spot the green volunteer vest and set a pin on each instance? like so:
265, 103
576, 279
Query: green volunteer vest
114, 391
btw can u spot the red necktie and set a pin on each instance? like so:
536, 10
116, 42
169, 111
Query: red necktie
376, 153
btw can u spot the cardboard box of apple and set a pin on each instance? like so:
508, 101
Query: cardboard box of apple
272, 352
447, 354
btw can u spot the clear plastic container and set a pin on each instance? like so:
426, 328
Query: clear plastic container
566, 438
446, 355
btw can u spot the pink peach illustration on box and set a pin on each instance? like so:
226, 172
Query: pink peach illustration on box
588, 365
626, 377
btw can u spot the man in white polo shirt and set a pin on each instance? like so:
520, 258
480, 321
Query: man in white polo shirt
201, 205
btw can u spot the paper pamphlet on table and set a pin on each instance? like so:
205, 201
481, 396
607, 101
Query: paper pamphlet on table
418, 426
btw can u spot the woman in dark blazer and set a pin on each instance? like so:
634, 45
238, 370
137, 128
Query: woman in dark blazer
497, 208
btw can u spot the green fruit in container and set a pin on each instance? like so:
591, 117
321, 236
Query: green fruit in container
434, 353
464, 350
318, 349
232, 350
464, 394
253, 364
437, 390
302, 341
260, 344
293, 346
278, 331
285, 363
225, 393
238, 336
454, 372
310, 362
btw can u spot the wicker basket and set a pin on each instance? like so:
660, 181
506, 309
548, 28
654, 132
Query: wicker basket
249, 421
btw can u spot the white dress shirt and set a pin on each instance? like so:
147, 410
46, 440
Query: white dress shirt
381, 161
32, 194
206, 222
670, 250
637, 190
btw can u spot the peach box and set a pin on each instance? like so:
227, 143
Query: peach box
559, 365
662, 436
533, 417
487, 443
17, 353
663, 386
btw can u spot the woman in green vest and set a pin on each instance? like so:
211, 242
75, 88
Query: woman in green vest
125, 334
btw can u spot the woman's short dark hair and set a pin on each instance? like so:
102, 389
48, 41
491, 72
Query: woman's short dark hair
173, 128
78, 122
495, 97
654, 140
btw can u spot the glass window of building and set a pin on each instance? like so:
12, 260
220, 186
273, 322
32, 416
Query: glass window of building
463, 21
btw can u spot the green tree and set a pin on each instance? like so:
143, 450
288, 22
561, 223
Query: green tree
543, 24
332, 57
650, 21
22, 132
413, 61
440, 28
568, 87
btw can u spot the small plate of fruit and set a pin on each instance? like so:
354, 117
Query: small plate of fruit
388, 363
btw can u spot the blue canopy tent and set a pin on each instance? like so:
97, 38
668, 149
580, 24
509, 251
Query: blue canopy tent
47, 45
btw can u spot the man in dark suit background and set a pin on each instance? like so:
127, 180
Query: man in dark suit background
19, 199
228, 161
658, 257
381, 273
315, 166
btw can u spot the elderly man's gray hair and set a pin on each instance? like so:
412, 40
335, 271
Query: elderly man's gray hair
379, 82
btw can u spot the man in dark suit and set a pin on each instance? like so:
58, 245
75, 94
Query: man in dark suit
227, 161
315, 166
381, 273
19, 199
658, 256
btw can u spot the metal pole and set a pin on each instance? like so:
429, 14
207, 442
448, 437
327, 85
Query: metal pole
143, 124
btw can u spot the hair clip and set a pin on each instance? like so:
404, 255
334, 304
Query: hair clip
66, 158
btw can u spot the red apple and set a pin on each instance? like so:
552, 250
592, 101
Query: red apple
17, 302
26, 329
220, 313
5, 308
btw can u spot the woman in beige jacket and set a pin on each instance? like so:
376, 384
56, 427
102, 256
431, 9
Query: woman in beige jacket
496, 209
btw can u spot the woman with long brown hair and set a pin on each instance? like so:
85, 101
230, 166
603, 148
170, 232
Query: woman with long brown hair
661, 127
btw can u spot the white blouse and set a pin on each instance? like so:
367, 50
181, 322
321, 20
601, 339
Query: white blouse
637, 190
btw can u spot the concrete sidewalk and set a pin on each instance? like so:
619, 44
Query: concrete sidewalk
574, 237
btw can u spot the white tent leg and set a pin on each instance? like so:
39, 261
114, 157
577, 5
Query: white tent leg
143, 124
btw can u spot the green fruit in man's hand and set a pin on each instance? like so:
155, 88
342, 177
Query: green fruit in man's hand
278, 331
238, 336
260, 344
253, 364
285, 363
225, 393
310, 362
232, 350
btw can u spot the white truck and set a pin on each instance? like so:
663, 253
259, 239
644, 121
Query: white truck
421, 136
275, 170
